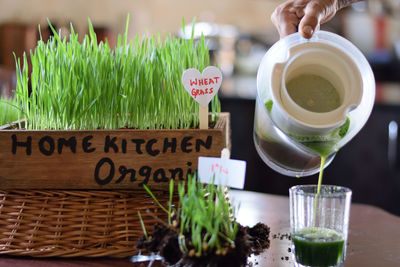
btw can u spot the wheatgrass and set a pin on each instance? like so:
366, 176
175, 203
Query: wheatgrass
86, 85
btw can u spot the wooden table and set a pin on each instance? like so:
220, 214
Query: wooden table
374, 236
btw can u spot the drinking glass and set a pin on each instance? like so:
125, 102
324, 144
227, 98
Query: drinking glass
319, 224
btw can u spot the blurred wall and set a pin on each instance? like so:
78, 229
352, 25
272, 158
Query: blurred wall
150, 15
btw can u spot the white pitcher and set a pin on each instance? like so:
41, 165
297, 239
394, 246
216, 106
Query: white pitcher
290, 137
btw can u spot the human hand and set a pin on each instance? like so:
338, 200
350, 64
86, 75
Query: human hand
305, 15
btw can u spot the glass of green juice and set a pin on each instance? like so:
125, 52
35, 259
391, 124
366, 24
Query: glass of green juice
319, 222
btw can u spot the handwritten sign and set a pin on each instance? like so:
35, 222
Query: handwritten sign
228, 172
202, 86
106, 159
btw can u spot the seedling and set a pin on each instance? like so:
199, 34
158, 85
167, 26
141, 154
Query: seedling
8, 111
203, 218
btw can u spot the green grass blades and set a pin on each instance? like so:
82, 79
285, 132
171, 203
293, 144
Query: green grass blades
8, 111
204, 218
85, 85
206, 213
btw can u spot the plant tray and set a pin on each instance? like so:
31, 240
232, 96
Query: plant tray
81, 198
105, 159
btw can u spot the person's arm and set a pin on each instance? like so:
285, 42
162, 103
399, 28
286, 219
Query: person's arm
305, 15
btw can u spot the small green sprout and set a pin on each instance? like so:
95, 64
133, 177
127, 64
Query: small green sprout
143, 226
8, 111
205, 216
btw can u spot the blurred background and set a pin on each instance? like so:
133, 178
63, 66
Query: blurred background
239, 33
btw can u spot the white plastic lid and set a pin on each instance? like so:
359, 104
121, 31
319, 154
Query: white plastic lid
325, 61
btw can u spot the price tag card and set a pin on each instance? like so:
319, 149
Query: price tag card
227, 172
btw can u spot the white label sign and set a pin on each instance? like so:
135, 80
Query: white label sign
202, 86
227, 172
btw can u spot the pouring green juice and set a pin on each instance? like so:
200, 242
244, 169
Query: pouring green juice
305, 88
316, 94
316, 246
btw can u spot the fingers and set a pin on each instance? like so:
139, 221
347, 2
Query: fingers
302, 15
311, 20
285, 20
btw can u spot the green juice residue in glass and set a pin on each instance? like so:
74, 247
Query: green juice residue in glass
268, 105
313, 93
323, 144
317, 246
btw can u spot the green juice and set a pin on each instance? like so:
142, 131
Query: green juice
313, 93
316, 246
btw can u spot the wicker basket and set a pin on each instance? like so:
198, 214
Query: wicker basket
75, 223
72, 215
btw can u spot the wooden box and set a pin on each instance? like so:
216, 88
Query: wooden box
105, 159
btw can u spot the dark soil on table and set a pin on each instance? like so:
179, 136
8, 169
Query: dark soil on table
249, 240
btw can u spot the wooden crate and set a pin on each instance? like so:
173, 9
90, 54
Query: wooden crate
104, 159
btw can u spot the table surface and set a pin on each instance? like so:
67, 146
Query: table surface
373, 240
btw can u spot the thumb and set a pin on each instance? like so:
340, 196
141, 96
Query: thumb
311, 20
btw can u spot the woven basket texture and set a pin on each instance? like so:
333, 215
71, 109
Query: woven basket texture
75, 223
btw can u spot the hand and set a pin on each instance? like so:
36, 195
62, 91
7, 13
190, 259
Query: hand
305, 15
